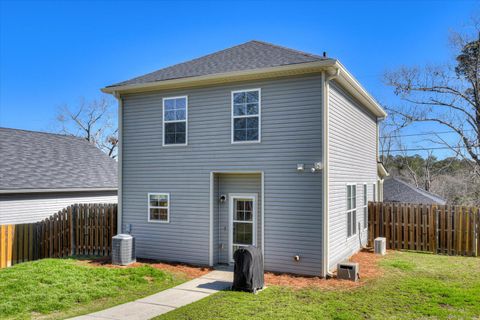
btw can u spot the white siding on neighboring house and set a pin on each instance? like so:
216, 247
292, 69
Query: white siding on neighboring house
33, 207
352, 159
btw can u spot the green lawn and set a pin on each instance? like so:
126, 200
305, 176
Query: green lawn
60, 288
415, 285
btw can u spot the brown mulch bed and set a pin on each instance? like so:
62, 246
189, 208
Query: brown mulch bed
181, 269
369, 269
367, 260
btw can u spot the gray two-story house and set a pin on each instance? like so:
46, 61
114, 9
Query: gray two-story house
253, 145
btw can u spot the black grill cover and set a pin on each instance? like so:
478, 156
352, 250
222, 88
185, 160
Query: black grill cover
248, 269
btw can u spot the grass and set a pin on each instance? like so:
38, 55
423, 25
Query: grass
415, 285
60, 288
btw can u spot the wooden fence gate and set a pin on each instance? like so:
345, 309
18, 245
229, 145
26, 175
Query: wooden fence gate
440, 229
80, 229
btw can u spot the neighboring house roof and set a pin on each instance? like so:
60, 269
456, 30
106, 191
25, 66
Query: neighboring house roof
252, 60
251, 55
39, 161
396, 190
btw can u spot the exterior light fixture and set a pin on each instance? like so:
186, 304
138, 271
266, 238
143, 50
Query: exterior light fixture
317, 166
300, 167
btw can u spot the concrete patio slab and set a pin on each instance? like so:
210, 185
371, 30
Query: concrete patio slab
168, 300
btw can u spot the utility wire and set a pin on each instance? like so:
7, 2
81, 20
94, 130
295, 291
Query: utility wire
420, 149
422, 134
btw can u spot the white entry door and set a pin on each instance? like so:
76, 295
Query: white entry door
243, 221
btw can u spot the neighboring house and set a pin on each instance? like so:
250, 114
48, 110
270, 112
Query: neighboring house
42, 173
396, 190
253, 145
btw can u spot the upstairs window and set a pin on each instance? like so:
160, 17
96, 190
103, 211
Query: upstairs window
175, 113
351, 209
246, 116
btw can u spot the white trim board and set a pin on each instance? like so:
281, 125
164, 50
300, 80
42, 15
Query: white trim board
120, 163
14, 191
210, 238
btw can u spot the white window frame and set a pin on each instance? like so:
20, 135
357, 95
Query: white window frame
173, 121
353, 210
156, 207
233, 117
365, 205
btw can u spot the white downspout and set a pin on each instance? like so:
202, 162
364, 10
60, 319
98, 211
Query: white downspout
120, 164
325, 150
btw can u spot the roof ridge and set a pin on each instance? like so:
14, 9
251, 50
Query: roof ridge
289, 49
43, 132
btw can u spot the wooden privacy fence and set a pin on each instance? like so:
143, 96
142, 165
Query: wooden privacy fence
80, 229
440, 229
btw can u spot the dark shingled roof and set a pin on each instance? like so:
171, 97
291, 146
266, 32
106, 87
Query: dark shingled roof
250, 55
39, 160
396, 190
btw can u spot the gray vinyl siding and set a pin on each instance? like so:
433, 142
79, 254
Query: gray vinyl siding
291, 133
227, 184
352, 159
33, 207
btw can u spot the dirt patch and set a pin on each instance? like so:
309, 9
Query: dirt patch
182, 269
369, 269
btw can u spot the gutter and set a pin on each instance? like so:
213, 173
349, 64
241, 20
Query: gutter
13, 191
219, 77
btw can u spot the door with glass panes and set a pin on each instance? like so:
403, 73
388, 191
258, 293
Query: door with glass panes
243, 215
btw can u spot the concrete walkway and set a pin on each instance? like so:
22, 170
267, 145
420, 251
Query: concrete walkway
167, 300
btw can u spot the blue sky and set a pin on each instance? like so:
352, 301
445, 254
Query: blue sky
54, 53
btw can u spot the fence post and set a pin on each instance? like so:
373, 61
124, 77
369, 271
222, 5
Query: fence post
434, 228
478, 230
71, 237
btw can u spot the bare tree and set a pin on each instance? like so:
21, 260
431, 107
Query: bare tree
390, 137
448, 95
92, 120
